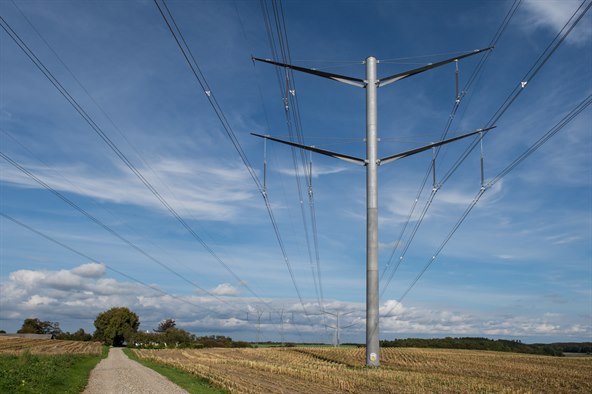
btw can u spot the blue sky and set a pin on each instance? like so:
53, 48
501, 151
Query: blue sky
520, 266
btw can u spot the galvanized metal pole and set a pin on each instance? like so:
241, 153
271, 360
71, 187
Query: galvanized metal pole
337, 339
372, 334
371, 85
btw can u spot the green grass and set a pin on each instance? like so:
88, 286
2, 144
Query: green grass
190, 382
28, 373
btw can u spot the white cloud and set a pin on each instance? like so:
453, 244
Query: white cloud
317, 170
91, 270
36, 300
62, 280
389, 245
225, 289
45, 294
399, 201
553, 14
26, 278
561, 239
420, 321
455, 197
212, 192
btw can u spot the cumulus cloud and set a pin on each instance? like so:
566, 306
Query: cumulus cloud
420, 321
36, 300
91, 270
62, 280
79, 294
225, 289
26, 278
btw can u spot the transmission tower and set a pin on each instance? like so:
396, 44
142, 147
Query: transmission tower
338, 326
371, 84
259, 314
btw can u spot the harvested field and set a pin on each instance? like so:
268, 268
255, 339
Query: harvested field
16, 345
404, 370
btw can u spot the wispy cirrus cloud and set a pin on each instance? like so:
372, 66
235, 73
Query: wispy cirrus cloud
217, 193
317, 170
553, 14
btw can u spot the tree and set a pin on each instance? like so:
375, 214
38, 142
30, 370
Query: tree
36, 326
172, 337
79, 335
116, 326
178, 337
165, 325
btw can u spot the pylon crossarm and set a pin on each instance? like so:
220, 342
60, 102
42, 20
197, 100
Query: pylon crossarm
401, 155
409, 73
325, 152
336, 77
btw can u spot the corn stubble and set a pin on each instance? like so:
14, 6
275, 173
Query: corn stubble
16, 346
404, 370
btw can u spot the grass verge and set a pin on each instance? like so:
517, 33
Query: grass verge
27, 373
190, 382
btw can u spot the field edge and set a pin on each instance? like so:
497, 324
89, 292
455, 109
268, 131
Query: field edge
26, 372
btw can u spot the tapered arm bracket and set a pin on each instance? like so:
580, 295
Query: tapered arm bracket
336, 77
401, 155
325, 152
386, 160
381, 82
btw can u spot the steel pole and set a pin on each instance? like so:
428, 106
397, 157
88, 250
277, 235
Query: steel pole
372, 334
337, 341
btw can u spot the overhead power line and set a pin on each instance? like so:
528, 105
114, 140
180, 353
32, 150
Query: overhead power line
101, 206
447, 54
371, 162
288, 92
103, 225
533, 71
430, 168
101, 109
39, 64
577, 110
527, 79
93, 260
294, 108
194, 66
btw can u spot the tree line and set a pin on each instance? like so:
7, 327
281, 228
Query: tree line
500, 345
119, 326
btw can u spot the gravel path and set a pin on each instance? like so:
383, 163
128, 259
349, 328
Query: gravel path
118, 374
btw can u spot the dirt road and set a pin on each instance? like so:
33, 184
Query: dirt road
118, 374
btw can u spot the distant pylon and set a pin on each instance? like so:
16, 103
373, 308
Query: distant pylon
338, 326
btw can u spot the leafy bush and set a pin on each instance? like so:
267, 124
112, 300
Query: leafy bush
79, 335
